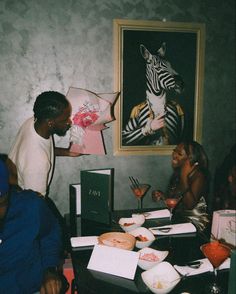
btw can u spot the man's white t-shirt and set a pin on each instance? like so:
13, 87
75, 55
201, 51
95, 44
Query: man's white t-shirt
34, 158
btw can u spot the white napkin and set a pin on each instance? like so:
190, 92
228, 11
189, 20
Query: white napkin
163, 213
83, 241
206, 266
175, 229
225, 264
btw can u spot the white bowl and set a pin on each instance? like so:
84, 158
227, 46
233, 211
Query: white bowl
144, 237
162, 278
149, 257
130, 223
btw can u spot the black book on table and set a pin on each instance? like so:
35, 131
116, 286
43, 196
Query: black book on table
75, 207
97, 192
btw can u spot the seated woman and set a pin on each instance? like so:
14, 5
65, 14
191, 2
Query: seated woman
190, 182
225, 183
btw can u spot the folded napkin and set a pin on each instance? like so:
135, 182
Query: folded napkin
225, 264
174, 229
163, 213
205, 266
83, 241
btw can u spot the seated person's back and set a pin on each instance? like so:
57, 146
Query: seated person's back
30, 241
225, 183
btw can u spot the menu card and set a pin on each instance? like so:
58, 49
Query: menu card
97, 190
114, 261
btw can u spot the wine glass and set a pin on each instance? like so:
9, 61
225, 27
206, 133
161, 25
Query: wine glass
139, 191
216, 253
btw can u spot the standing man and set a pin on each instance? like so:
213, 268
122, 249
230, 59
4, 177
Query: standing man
33, 152
32, 155
30, 243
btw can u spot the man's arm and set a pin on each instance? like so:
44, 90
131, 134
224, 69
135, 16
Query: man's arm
59, 151
50, 250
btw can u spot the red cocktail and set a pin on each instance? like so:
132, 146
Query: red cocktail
139, 192
216, 253
171, 204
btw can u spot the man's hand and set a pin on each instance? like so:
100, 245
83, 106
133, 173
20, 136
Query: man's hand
51, 283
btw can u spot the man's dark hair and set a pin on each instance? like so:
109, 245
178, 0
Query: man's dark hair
49, 104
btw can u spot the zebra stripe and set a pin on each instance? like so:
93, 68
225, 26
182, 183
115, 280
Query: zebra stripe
160, 77
133, 132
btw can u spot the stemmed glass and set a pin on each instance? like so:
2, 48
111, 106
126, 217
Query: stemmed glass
216, 253
171, 203
139, 191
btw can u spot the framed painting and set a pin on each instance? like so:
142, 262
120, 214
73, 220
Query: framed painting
159, 69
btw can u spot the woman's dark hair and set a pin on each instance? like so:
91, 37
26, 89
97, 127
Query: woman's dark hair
196, 154
49, 104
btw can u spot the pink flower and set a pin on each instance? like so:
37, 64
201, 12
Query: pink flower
85, 119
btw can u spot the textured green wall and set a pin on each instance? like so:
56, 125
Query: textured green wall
55, 44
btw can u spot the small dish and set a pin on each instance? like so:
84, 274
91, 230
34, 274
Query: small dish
130, 223
117, 239
162, 278
149, 257
144, 237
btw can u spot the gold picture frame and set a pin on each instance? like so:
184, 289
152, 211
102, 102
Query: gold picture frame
185, 44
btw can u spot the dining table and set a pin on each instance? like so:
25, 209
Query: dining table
182, 249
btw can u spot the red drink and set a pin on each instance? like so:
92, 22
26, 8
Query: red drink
137, 192
171, 202
141, 190
216, 252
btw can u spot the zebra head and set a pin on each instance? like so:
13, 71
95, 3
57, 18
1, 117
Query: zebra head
159, 72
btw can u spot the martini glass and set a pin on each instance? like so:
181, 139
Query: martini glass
216, 253
171, 203
139, 192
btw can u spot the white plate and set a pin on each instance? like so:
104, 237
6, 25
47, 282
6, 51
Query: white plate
162, 278
153, 257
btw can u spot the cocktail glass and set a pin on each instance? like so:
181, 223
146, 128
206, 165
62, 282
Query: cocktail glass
139, 192
171, 203
216, 253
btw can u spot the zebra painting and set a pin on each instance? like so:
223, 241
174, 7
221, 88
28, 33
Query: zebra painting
157, 120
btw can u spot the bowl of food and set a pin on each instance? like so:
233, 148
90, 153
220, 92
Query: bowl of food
143, 236
130, 223
161, 279
117, 239
149, 257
